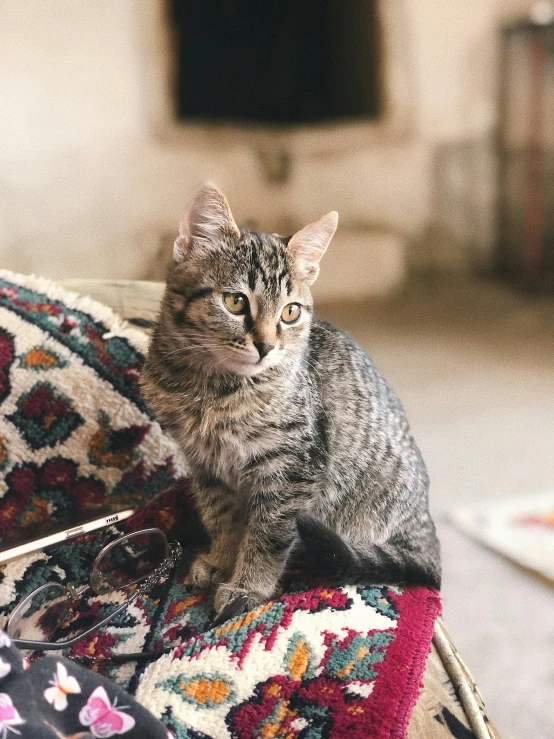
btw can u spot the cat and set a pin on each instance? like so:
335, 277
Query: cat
297, 447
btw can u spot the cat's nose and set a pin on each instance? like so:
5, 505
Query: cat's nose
263, 348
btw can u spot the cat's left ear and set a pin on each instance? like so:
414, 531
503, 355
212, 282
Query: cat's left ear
310, 244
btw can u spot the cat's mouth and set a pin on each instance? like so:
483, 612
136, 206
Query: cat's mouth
248, 365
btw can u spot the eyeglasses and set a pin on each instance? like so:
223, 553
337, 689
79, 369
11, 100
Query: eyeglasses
142, 557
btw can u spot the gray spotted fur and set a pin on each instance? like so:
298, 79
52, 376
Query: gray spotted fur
315, 442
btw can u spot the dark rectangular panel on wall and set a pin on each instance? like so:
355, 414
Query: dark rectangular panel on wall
526, 155
277, 61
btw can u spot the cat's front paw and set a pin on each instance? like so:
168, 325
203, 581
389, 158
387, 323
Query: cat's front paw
204, 573
232, 601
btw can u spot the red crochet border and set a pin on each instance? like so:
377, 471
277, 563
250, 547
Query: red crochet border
398, 683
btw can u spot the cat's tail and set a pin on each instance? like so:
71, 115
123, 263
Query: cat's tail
325, 554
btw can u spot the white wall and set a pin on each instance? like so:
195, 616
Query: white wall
68, 74
86, 189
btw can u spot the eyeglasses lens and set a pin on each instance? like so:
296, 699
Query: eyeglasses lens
39, 615
129, 561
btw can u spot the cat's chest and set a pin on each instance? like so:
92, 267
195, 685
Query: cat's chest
224, 437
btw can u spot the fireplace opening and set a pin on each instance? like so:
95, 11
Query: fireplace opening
279, 61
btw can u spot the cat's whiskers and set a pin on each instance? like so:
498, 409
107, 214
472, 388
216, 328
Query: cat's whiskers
195, 336
192, 349
319, 325
194, 345
241, 352
312, 365
242, 349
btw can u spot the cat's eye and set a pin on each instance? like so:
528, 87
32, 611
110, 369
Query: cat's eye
290, 313
237, 303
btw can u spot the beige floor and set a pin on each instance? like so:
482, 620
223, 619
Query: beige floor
474, 367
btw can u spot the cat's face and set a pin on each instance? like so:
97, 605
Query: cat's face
243, 307
237, 301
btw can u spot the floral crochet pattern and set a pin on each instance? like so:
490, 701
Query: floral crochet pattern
316, 663
74, 431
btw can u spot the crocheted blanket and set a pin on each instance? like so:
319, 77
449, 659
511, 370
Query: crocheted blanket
315, 662
75, 433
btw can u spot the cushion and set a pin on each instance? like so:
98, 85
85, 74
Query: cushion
75, 433
314, 662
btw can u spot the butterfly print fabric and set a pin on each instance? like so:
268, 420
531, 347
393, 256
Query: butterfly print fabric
54, 697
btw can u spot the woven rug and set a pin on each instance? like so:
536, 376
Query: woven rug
315, 662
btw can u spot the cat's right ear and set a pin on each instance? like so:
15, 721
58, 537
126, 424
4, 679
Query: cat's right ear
205, 225
310, 244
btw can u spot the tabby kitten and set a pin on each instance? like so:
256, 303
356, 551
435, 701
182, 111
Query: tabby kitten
296, 444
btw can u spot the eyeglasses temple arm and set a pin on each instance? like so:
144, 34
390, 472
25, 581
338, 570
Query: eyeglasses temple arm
121, 659
48, 646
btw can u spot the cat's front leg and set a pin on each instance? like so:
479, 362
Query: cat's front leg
263, 552
219, 510
255, 578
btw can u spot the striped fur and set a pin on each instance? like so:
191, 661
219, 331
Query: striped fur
303, 453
